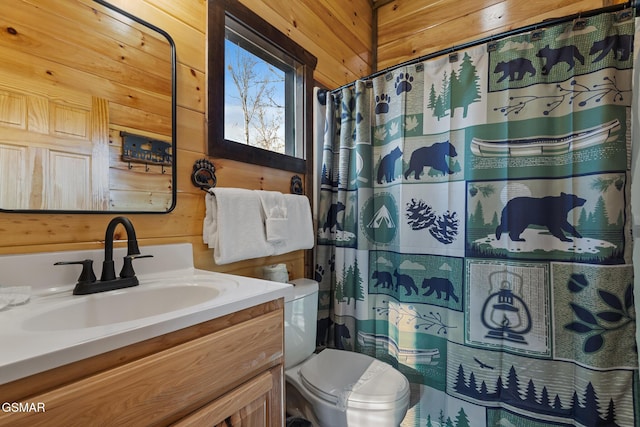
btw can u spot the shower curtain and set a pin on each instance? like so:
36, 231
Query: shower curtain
474, 228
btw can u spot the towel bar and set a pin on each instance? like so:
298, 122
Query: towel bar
204, 177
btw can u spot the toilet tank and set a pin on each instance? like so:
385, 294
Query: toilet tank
300, 321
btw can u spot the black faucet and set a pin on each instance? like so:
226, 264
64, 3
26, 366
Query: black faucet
108, 269
87, 283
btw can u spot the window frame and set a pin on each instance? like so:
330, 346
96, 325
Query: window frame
217, 145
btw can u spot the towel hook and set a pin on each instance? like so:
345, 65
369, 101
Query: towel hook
204, 174
296, 185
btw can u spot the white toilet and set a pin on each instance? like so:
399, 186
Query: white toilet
335, 388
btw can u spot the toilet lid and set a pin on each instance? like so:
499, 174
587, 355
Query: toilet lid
342, 376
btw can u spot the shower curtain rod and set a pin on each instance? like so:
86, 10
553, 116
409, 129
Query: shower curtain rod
633, 4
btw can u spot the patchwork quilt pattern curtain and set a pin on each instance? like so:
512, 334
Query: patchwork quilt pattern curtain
475, 228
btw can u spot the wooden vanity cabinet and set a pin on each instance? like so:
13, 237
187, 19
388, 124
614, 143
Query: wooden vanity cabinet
228, 371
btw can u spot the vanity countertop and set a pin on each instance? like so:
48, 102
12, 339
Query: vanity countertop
30, 346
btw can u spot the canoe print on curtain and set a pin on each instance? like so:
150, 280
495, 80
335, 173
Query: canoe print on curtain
474, 229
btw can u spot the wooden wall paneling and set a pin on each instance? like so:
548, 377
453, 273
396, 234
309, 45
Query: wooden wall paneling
341, 64
50, 74
230, 173
203, 258
141, 178
356, 16
190, 134
190, 42
129, 200
65, 33
17, 74
23, 233
190, 12
236, 174
77, 45
352, 27
194, 88
409, 29
134, 118
186, 159
402, 19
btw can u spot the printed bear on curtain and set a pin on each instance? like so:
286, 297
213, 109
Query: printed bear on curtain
332, 216
387, 167
406, 282
553, 57
549, 211
441, 286
620, 44
436, 156
383, 278
515, 69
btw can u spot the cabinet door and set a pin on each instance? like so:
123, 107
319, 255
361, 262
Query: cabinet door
253, 404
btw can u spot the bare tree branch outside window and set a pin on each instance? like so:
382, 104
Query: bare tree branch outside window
260, 88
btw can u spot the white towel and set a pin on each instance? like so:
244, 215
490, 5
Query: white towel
275, 215
234, 225
288, 221
207, 224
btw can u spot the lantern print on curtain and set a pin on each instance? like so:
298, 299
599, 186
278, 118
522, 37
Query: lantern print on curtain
474, 229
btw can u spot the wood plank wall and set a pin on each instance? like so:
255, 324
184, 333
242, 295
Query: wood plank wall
408, 29
338, 33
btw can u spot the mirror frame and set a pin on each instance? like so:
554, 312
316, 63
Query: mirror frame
217, 145
174, 192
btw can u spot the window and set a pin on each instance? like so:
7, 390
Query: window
260, 89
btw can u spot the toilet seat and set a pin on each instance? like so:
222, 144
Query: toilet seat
353, 380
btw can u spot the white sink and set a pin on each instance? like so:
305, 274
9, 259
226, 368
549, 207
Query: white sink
123, 305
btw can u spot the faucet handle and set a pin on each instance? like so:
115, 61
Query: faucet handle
127, 267
87, 275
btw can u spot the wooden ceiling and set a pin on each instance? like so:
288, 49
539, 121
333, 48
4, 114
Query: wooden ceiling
426, 3
406, 29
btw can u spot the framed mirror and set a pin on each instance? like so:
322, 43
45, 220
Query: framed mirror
87, 109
